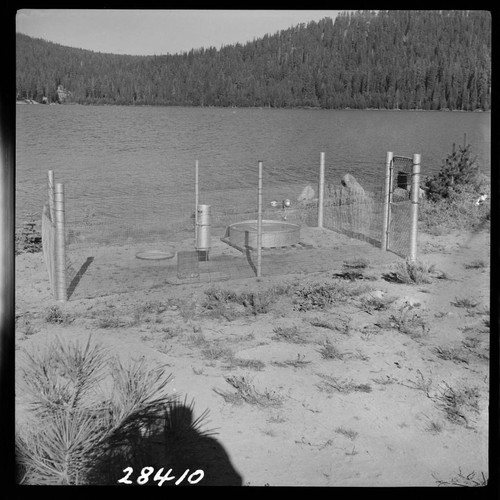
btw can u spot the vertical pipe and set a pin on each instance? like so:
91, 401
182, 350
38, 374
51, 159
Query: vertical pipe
321, 189
387, 191
60, 244
50, 185
259, 222
196, 198
415, 195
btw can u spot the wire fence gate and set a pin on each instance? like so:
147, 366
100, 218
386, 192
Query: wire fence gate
230, 233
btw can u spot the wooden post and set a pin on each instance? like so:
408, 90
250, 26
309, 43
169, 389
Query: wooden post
321, 189
387, 206
415, 195
196, 202
60, 244
259, 222
50, 186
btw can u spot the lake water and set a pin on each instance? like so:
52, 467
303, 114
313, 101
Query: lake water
138, 163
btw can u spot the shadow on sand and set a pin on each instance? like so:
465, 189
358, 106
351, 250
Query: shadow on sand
173, 442
78, 276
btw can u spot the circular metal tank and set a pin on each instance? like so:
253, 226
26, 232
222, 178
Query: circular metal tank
275, 233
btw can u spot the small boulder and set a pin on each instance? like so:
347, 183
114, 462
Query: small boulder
307, 194
349, 182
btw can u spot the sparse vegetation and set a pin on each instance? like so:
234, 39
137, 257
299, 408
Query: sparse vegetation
246, 392
465, 303
56, 316
329, 351
348, 433
372, 304
454, 354
434, 427
408, 322
299, 362
384, 380
410, 272
288, 334
330, 384
322, 323
420, 384
465, 480
314, 296
476, 264
220, 302
458, 404
358, 263
28, 239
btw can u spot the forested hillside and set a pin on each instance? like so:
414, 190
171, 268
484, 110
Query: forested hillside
389, 59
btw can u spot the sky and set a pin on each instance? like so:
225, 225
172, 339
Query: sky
150, 32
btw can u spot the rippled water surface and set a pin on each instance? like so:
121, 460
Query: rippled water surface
116, 160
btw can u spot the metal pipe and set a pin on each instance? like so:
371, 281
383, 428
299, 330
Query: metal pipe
415, 195
50, 186
60, 244
259, 222
196, 194
321, 189
387, 191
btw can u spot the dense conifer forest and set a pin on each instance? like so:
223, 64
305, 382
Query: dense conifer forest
429, 60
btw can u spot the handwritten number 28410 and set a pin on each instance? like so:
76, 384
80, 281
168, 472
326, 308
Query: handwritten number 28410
193, 478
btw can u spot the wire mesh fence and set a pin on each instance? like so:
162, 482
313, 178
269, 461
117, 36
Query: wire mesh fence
400, 207
114, 245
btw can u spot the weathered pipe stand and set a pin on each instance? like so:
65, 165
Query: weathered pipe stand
202, 244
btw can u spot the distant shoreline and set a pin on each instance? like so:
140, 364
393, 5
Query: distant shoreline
33, 102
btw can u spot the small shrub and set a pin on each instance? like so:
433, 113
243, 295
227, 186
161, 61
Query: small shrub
451, 354
458, 404
252, 364
215, 351
376, 303
223, 302
358, 263
420, 384
246, 392
434, 427
296, 363
476, 264
410, 273
330, 384
110, 320
409, 323
321, 323
55, 316
465, 303
329, 351
322, 295
464, 480
348, 433
28, 239
288, 334
384, 381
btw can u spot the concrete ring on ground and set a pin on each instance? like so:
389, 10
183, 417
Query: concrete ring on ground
154, 255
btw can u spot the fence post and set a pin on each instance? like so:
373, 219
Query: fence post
50, 185
415, 195
60, 244
259, 222
387, 192
321, 189
196, 201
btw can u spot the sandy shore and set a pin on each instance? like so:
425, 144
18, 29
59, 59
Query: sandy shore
370, 416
